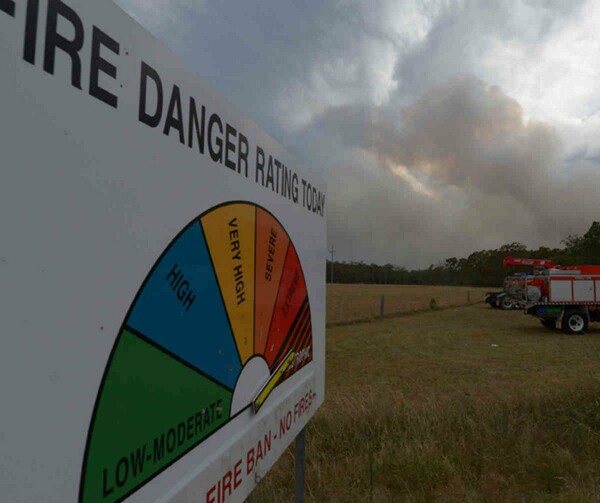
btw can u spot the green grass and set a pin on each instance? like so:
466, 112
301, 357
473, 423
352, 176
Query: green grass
464, 404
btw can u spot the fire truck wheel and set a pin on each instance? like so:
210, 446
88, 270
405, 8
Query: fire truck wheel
549, 323
574, 322
507, 302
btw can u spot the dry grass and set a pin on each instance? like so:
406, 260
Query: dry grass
347, 303
462, 405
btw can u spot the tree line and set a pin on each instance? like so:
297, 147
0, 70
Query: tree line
481, 268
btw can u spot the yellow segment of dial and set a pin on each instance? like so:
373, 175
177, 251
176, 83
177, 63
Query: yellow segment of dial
230, 235
272, 382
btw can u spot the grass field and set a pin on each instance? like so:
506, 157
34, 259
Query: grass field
348, 303
466, 404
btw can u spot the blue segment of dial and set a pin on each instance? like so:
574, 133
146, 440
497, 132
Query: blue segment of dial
180, 308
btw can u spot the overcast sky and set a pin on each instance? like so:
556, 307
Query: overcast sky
443, 127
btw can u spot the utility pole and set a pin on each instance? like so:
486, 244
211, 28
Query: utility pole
332, 251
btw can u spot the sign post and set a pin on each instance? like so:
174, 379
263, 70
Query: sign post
300, 466
161, 271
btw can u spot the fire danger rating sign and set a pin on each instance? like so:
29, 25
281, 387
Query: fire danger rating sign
162, 263
195, 347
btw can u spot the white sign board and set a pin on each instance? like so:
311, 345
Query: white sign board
162, 270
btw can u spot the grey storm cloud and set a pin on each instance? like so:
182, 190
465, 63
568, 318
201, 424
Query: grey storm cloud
487, 177
466, 132
463, 33
425, 157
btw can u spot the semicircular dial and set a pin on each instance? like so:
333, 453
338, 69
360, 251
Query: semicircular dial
220, 313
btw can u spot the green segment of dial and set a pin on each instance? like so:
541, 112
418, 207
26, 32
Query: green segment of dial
152, 410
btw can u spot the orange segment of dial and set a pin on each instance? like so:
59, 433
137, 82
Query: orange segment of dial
230, 235
271, 247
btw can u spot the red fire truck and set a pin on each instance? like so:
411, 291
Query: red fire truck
514, 287
567, 298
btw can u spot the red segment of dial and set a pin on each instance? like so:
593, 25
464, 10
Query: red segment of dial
291, 308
